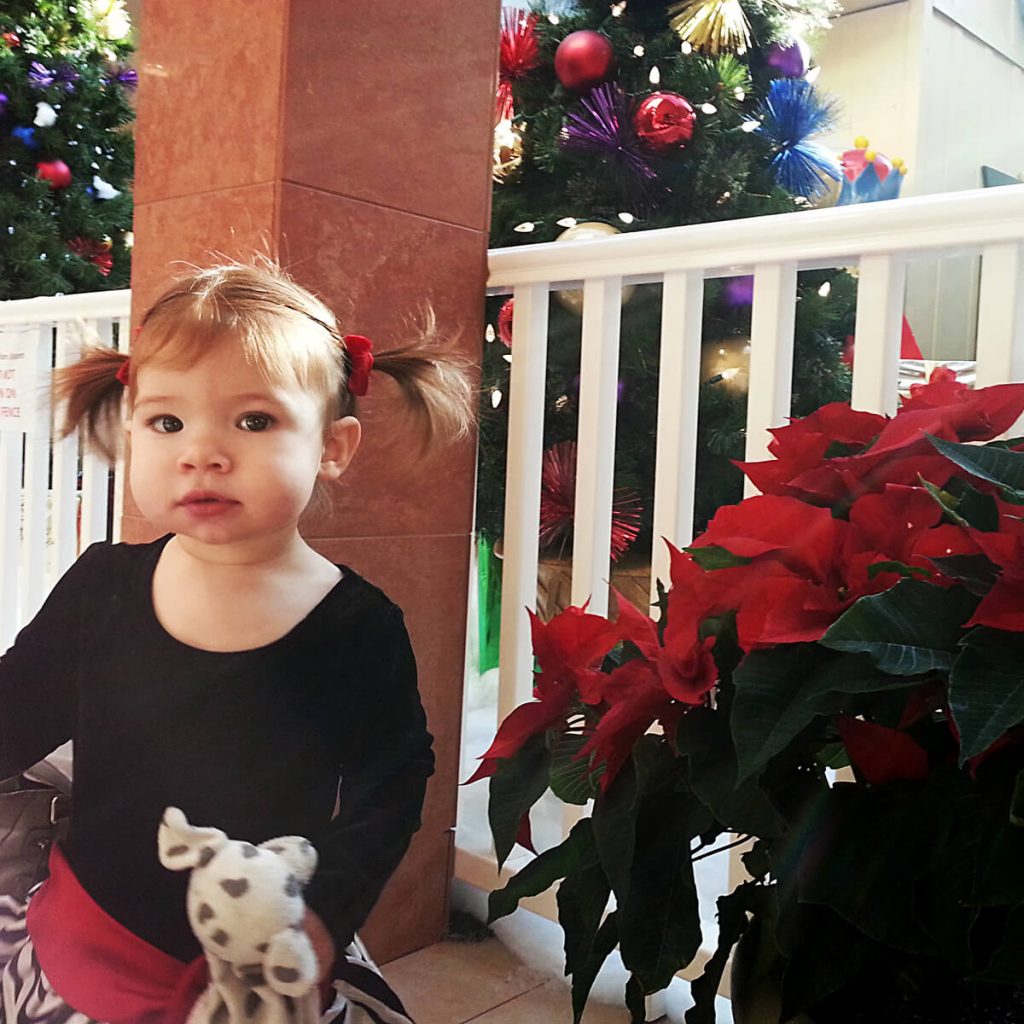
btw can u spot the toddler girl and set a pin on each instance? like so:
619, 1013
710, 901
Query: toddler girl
226, 668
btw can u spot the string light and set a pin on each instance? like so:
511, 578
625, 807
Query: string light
554, 19
507, 357
825, 290
739, 93
638, 51
567, 222
655, 76
626, 218
708, 108
750, 126
686, 49
812, 75
525, 228
496, 397
489, 333
618, 8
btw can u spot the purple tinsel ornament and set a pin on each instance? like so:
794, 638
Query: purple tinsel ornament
3, 102
604, 128
40, 76
790, 59
125, 76
739, 291
66, 76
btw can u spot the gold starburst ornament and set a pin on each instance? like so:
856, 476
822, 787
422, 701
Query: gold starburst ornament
711, 26
508, 150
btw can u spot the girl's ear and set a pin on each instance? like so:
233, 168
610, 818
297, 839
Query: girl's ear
340, 445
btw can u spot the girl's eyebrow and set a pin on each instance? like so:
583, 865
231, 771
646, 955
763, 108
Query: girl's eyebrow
261, 397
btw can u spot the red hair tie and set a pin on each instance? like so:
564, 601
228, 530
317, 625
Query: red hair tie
360, 362
124, 373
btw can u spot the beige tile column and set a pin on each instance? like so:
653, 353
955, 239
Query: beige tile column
354, 139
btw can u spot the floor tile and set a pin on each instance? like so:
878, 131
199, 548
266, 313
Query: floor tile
453, 982
550, 1004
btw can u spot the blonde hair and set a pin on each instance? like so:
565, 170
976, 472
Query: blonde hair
289, 334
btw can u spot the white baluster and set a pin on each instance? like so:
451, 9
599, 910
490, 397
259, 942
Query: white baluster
1000, 348
35, 518
879, 329
64, 489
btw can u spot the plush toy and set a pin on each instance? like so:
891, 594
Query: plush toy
245, 906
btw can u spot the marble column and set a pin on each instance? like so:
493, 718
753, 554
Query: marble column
353, 140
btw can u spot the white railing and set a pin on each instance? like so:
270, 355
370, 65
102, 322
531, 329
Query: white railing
55, 499
877, 241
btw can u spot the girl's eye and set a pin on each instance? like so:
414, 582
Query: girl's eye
255, 421
166, 424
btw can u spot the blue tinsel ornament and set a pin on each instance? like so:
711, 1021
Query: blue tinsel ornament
791, 113
27, 136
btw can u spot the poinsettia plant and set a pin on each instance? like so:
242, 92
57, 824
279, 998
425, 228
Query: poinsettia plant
865, 611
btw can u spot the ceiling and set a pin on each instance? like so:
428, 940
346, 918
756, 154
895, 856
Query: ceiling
851, 6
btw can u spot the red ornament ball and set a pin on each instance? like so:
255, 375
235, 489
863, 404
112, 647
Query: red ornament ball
505, 321
664, 121
56, 172
12, 39
584, 59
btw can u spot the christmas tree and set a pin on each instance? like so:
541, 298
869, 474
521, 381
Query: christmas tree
632, 115
66, 149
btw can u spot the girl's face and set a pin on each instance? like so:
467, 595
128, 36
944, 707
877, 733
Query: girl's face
223, 457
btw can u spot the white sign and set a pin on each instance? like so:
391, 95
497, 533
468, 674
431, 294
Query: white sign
21, 384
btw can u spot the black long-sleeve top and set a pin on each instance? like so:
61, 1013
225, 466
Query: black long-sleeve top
251, 742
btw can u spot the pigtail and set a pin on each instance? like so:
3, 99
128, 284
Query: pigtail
89, 394
437, 385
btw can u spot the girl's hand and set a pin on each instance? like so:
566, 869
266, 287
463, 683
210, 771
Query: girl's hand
323, 944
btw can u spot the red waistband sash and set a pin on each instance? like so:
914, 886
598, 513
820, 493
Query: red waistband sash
98, 966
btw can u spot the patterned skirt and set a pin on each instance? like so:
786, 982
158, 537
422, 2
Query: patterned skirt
361, 995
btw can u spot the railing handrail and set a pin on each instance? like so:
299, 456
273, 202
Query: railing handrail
60, 308
811, 239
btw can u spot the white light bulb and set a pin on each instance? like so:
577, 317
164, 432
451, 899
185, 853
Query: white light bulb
496, 397
554, 19
739, 93
825, 290
618, 8
638, 51
626, 218
507, 357
566, 222
686, 49
489, 333
812, 75
708, 108
750, 126
525, 228
655, 76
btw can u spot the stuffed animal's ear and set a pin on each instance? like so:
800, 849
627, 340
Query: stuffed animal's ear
289, 965
184, 846
298, 853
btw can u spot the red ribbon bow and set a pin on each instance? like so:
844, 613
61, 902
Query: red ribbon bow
124, 373
360, 362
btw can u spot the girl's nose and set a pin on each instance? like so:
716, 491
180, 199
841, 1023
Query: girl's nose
205, 454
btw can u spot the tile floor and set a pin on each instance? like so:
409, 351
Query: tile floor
456, 981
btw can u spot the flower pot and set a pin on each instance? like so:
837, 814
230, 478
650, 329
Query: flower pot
755, 981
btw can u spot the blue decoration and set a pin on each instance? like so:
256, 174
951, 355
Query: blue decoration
870, 187
26, 136
792, 112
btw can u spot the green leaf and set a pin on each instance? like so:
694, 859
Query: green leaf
606, 939
713, 556
516, 786
781, 691
971, 508
1007, 965
907, 630
732, 923
636, 1002
659, 922
986, 688
1017, 802
908, 572
703, 736
861, 853
582, 900
992, 463
614, 820
571, 779
575, 853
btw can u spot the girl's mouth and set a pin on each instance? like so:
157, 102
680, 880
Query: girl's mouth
203, 504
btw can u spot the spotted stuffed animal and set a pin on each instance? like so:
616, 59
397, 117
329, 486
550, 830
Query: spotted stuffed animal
245, 906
